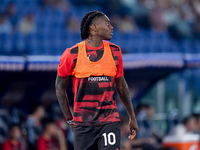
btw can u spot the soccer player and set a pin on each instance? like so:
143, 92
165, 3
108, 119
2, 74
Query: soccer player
96, 68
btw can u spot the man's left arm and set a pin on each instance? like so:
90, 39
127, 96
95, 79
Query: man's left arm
123, 91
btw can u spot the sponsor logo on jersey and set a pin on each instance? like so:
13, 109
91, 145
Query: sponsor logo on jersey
98, 79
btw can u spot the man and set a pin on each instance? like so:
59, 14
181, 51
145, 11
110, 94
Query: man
188, 126
197, 117
96, 68
13, 142
33, 124
52, 138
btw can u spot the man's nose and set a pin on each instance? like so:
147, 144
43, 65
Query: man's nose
111, 27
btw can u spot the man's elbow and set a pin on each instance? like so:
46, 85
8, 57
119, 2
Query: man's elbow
57, 88
119, 90
61, 85
58, 84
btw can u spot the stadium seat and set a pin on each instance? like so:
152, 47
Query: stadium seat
51, 33
6, 44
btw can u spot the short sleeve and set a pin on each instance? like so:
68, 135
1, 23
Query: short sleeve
120, 70
66, 64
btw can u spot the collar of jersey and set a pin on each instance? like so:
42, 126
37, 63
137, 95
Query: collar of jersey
93, 48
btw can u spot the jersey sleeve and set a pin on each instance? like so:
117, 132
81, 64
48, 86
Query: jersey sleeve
120, 70
66, 64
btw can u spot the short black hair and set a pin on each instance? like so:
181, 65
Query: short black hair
13, 125
34, 106
187, 119
196, 116
46, 122
87, 21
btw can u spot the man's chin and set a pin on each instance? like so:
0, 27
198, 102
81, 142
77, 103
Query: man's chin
108, 38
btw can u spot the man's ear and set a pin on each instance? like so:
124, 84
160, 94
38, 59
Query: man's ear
94, 27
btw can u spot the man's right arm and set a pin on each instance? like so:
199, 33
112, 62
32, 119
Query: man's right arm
61, 85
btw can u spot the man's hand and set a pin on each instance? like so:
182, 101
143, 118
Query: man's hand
133, 128
72, 127
61, 140
124, 94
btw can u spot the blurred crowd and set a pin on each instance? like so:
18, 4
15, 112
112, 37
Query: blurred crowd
44, 128
14, 20
150, 137
39, 129
178, 17
25, 20
51, 24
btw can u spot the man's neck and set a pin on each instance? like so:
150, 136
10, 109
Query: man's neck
46, 136
35, 117
93, 42
14, 141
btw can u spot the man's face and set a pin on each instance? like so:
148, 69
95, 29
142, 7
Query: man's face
51, 129
103, 28
15, 133
40, 112
192, 125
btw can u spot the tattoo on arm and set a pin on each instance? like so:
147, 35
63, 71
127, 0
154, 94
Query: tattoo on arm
124, 94
61, 85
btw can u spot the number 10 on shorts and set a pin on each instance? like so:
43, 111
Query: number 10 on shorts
109, 138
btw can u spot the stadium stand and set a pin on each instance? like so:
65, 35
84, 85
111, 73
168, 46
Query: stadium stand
50, 34
156, 41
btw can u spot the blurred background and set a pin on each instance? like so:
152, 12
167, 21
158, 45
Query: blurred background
160, 42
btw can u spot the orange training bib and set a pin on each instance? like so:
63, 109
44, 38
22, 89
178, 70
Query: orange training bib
86, 68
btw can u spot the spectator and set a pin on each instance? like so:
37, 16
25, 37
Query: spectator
52, 138
13, 142
157, 17
197, 117
140, 11
33, 124
73, 25
145, 116
11, 10
195, 5
64, 5
27, 24
115, 19
48, 97
125, 143
148, 136
173, 119
128, 25
5, 25
3, 127
146, 140
61, 124
188, 126
13, 96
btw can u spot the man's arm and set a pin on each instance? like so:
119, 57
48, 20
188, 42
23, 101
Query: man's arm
61, 140
123, 91
61, 85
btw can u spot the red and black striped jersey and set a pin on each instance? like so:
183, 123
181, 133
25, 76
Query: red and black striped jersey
94, 102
